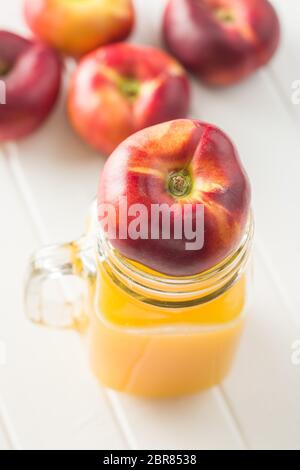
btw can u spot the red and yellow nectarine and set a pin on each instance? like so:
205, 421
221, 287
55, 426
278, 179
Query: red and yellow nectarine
222, 41
77, 27
122, 88
182, 162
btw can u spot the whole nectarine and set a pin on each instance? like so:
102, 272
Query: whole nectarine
156, 184
77, 27
222, 41
30, 74
122, 88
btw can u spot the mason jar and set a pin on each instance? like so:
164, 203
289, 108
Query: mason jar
147, 334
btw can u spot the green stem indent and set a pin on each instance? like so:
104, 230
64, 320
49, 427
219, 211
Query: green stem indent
130, 87
225, 15
179, 183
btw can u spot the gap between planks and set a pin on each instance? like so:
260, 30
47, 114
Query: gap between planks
11, 441
266, 259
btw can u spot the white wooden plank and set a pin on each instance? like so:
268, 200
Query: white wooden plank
148, 23
46, 387
12, 17
285, 68
264, 387
3, 441
197, 422
8, 437
65, 173
2, 444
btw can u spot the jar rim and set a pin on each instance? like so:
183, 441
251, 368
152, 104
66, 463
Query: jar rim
204, 284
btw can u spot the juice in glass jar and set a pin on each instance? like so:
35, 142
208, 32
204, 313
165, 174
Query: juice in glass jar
147, 334
153, 338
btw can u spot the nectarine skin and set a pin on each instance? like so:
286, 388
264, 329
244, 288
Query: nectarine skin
122, 88
221, 41
31, 74
140, 169
78, 27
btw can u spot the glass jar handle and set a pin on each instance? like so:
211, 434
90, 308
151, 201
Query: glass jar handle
56, 286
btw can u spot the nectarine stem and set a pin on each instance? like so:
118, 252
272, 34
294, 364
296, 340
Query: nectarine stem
4, 68
179, 183
130, 87
225, 15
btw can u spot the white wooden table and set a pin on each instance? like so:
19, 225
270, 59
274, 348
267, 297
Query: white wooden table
48, 397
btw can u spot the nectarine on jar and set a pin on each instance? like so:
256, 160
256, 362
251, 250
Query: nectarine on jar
189, 173
77, 27
122, 88
221, 41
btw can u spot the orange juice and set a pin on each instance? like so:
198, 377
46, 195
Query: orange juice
148, 334
166, 362
149, 343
